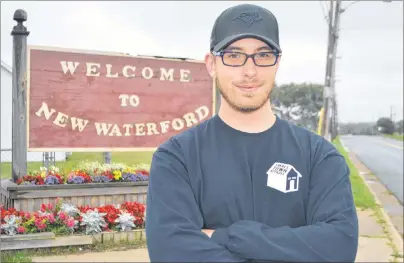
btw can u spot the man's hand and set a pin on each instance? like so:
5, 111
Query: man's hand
208, 232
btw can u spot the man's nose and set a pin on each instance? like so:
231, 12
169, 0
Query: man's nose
250, 68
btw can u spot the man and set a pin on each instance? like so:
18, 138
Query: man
246, 185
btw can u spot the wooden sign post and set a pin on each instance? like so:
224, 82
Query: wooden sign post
19, 95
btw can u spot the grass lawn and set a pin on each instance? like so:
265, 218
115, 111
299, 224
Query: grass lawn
363, 197
129, 158
396, 136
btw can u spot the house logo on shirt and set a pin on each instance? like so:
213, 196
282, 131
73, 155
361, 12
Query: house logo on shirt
283, 177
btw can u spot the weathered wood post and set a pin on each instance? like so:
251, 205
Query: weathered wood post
19, 85
107, 157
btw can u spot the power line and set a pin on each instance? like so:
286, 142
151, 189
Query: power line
322, 8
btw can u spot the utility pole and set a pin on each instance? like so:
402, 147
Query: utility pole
333, 116
329, 88
326, 91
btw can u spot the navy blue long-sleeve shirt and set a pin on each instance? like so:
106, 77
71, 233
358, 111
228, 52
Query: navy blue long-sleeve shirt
280, 195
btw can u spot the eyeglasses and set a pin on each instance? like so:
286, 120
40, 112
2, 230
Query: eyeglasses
238, 59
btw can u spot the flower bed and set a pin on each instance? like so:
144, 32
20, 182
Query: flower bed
87, 173
92, 184
67, 219
69, 225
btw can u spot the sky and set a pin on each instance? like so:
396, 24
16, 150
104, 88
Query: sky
369, 70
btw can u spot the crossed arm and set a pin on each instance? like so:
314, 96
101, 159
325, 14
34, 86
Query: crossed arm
174, 228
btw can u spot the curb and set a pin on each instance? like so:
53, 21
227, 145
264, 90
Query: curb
395, 235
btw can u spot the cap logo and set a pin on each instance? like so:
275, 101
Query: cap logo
249, 18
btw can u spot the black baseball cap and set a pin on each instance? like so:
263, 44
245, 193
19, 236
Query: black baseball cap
242, 21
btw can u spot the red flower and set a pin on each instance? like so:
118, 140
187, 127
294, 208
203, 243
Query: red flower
51, 218
40, 223
111, 211
142, 171
84, 209
21, 229
62, 216
46, 208
70, 222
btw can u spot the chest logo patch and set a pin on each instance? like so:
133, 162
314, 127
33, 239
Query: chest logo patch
283, 177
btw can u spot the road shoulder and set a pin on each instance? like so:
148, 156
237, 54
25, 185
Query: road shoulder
390, 210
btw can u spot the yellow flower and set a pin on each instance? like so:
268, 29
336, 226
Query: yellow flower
43, 174
117, 174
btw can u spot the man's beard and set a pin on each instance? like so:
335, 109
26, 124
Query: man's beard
240, 108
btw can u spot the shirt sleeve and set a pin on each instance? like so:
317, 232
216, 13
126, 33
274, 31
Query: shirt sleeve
173, 218
331, 233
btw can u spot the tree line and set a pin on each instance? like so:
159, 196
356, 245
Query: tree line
300, 103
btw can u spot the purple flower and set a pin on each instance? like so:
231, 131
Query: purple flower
142, 177
130, 177
100, 179
76, 180
51, 180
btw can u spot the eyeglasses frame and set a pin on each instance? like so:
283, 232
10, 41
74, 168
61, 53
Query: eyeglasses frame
223, 52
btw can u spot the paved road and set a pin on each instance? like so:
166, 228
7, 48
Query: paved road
383, 156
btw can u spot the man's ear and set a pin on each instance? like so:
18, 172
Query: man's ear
210, 64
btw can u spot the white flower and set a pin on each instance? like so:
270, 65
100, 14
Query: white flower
11, 225
125, 221
69, 209
54, 169
93, 220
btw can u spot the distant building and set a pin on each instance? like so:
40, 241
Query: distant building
6, 120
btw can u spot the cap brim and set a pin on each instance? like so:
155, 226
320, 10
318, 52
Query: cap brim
228, 40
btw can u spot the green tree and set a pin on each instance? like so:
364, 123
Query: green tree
399, 127
385, 125
299, 103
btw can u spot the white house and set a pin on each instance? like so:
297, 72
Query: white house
283, 177
6, 121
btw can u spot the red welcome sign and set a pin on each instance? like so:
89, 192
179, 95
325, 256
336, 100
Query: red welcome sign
94, 101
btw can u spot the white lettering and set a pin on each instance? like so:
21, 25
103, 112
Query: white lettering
151, 129
61, 119
178, 124
78, 123
140, 129
45, 110
148, 74
115, 131
167, 74
190, 119
185, 75
91, 70
124, 99
127, 129
69, 66
125, 71
134, 100
109, 74
102, 128
202, 112
164, 126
